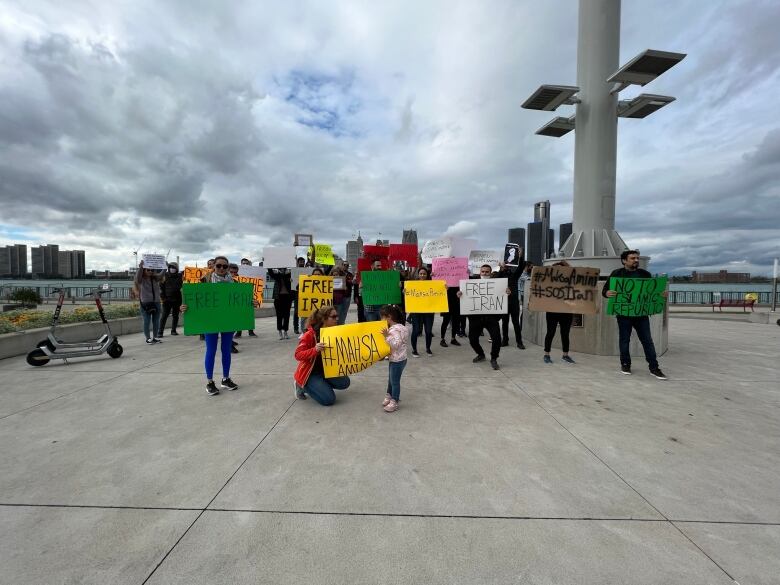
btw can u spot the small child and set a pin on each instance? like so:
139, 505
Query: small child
397, 335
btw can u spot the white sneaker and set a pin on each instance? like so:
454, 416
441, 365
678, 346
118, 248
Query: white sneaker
286, 336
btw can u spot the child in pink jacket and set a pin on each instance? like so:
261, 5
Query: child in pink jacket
397, 336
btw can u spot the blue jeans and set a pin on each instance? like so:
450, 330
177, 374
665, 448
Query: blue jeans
394, 379
422, 321
211, 353
371, 313
642, 326
151, 317
343, 308
321, 389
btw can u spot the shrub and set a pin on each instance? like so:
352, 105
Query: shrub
26, 296
22, 320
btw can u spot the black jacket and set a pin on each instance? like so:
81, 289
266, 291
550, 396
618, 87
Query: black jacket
279, 278
623, 273
170, 287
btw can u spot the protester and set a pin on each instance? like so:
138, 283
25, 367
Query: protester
146, 287
309, 376
451, 317
397, 336
372, 311
207, 278
490, 322
513, 274
340, 295
298, 319
245, 262
630, 260
283, 298
221, 275
170, 294
422, 321
553, 320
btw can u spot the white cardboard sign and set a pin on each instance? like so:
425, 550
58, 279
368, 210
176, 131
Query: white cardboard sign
479, 257
155, 262
484, 296
251, 271
439, 248
296, 274
279, 257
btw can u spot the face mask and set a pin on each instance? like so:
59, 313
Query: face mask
172, 270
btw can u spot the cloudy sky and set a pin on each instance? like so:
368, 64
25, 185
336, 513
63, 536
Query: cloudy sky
204, 126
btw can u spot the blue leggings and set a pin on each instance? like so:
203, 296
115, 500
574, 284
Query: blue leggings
211, 353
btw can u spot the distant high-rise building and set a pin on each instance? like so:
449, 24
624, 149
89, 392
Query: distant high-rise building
534, 252
541, 239
550, 243
45, 260
409, 237
542, 211
13, 260
354, 251
564, 231
380, 242
66, 270
516, 236
71, 263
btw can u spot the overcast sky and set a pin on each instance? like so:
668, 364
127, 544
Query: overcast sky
204, 126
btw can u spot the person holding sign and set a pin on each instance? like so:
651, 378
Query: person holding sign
283, 299
246, 262
512, 274
630, 260
477, 323
397, 336
310, 374
146, 287
553, 320
422, 321
220, 274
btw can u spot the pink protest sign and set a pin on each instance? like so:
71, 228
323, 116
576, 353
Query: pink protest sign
453, 270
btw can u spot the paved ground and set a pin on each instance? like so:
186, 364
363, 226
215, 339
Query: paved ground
124, 471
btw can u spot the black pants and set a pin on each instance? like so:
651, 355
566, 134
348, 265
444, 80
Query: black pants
517, 321
420, 322
553, 320
282, 305
172, 307
454, 314
361, 311
489, 322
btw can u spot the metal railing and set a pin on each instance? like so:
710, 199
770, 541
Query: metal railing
698, 297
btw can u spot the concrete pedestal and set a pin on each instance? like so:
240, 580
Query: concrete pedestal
598, 334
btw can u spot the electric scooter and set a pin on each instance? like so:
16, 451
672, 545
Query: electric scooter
53, 348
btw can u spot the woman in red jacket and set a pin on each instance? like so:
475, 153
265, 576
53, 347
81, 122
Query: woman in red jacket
309, 375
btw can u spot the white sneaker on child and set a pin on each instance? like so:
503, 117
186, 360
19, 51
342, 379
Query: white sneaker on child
392, 406
387, 400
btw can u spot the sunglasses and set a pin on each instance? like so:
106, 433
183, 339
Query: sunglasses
220, 265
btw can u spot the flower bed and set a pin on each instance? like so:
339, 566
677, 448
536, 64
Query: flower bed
14, 321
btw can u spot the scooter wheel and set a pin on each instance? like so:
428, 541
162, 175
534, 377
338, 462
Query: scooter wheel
115, 350
46, 343
37, 357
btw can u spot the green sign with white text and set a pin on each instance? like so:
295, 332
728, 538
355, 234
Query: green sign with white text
217, 307
637, 297
381, 287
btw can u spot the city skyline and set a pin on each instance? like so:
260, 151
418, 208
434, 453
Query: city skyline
323, 124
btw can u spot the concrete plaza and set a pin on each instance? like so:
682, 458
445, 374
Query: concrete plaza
125, 471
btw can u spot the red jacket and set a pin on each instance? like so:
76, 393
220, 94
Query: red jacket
306, 354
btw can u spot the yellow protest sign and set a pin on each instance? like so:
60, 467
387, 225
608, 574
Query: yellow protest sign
193, 274
314, 292
323, 254
257, 283
426, 296
352, 348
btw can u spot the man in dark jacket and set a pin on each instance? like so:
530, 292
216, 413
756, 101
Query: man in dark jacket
170, 294
630, 260
513, 274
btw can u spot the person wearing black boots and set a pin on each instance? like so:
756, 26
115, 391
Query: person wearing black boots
170, 294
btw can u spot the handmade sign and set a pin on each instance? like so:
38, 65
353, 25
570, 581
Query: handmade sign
352, 348
440, 248
323, 254
314, 292
381, 287
462, 246
365, 264
376, 251
637, 297
251, 271
451, 270
339, 283
484, 296
303, 240
295, 275
479, 257
217, 307
564, 289
278, 257
155, 261
404, 253
513, 255
425, 296
258, 285
193, 274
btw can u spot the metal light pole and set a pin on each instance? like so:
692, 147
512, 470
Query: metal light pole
774, 286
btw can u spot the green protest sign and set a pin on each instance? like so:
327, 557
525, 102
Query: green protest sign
381, 287
637, 297
215, 307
